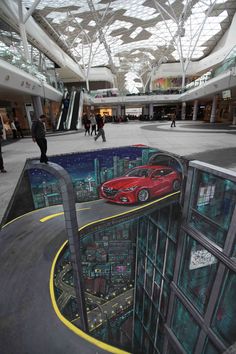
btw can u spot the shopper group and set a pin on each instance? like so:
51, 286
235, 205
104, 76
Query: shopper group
94, 124
15, 128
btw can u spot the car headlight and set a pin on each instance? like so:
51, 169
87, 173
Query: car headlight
130, 189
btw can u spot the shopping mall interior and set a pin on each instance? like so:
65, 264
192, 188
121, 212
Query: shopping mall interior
124, 241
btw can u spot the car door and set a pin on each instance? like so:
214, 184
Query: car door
158, 182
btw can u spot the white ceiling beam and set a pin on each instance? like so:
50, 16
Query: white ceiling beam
31, 10
161, 8
101, 36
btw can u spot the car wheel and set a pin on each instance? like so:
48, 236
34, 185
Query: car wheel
143, 195
176, 185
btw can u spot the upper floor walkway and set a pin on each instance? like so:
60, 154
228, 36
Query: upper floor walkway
224, 81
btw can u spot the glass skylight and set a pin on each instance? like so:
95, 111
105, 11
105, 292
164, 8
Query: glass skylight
125, 28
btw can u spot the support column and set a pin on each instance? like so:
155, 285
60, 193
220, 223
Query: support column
37, 103
230, 112
114, 111
151, 110
195, 109
118, 111
123, 111
52, 117
22, 31
213, 110
183, 111
145, 110
234, 116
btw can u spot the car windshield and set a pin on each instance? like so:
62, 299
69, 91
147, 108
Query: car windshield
142, 172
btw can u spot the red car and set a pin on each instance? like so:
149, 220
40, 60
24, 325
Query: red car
141, 184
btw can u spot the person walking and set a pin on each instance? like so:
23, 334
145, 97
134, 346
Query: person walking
39, 136
86, 123
100, 124
2, 169
93, 122
13, 129
173, 119
18, 127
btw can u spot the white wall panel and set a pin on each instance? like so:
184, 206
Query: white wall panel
13, 78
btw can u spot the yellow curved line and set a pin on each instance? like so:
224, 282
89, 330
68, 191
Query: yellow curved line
67, 323
21, 216
49, 217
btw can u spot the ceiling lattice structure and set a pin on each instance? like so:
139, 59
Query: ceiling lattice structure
132, 37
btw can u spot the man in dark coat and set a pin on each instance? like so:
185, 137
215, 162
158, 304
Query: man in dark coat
39, 136
18, 127
2, 169
100, 125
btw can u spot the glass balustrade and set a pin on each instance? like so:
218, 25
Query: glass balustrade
227, 64
39, 66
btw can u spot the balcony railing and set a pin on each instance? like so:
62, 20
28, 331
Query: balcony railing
14, 57
218, 70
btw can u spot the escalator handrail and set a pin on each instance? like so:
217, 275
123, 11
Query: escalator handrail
70, 110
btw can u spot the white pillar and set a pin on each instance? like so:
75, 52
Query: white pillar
230, 112
145, 110
213, 110
234, 116
183, 111
38, 109
23, 31
122, 110
118, 111
114, 111
195, 110
52, 117
151, 110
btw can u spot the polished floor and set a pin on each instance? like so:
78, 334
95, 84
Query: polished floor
212, 143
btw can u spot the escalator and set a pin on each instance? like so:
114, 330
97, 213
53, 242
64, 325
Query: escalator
64, 112
71, 111
73, 118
